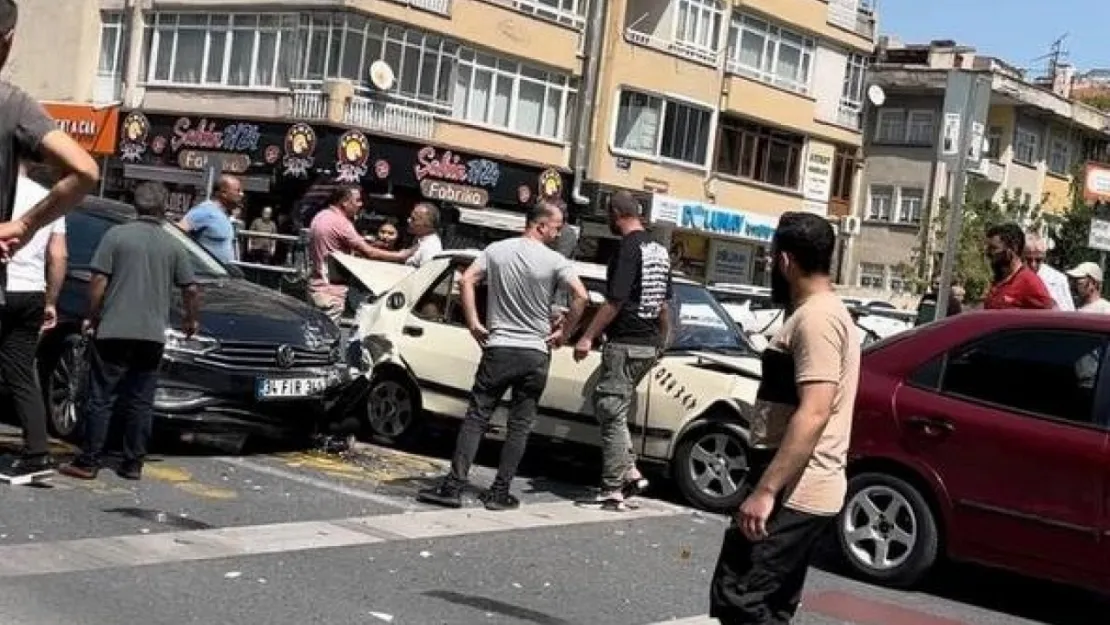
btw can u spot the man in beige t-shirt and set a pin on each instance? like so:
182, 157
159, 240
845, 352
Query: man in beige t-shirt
800, 430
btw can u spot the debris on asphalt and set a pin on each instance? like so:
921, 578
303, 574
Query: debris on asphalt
425, 554
684, 552
382, 616
232, 575
144, 531
261, 580
517, 585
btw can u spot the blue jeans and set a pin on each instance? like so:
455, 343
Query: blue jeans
123, 376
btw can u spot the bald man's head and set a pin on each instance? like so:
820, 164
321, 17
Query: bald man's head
1036, 247
229, 192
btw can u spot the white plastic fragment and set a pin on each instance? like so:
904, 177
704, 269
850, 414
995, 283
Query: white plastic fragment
382, 616
232, 575
425, 554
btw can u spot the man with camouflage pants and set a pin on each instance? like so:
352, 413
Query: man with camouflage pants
636, 323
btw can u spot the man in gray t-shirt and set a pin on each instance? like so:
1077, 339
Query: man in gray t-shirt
522, 276
134, 272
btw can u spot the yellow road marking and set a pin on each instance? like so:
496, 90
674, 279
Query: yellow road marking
183, 481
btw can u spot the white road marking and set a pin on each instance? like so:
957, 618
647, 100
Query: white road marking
92, 554
265, 469
693, 620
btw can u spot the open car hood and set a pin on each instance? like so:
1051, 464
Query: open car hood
742, 365
375, 276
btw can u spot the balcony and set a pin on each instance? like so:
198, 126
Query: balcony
990, 170
857, 16
687, 51
376, 113
439, 7
689, 29
548, 10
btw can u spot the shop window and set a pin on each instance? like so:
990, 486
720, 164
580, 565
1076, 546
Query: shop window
658, 127
241, 50
759, 153
770, 53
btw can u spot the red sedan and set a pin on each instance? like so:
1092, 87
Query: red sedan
983, 438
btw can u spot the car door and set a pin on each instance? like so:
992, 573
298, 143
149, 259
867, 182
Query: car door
438, 348
1006, 423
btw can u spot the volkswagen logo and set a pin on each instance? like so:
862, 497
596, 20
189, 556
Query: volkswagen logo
285, 356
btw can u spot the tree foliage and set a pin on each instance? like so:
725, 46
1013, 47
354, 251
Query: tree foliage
1070, 232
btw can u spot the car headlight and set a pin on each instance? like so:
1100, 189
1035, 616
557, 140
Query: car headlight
176, 341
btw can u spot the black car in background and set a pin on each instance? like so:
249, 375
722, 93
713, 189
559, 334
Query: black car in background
262, 364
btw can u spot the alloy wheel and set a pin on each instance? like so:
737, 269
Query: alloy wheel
717, 465
390, 409
65, 390
879, 528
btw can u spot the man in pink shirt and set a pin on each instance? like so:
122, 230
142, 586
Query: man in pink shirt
332, 230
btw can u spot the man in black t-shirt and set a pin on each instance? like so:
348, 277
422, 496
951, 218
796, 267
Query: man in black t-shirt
636, 323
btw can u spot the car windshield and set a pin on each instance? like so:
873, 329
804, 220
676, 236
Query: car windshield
702, 324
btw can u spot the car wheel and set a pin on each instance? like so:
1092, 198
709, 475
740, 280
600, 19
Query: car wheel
887, 531
393, 409
710, 466
66, 387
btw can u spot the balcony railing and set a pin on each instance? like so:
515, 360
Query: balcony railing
545, 11
309, 103
391, 117
441, 7
696, 53
849, 114
857, 16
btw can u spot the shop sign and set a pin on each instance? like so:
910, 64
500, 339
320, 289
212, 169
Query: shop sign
234, 137
732, 262
1096, 183
94, 128
454, 193
352, 154
450, 167
712, 219
199, 159
300, 150
817, 178
550, 184
133, 135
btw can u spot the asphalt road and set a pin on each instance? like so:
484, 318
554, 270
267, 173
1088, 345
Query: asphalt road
297, 538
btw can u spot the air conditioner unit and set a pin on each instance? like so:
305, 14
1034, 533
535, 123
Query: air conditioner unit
850, 226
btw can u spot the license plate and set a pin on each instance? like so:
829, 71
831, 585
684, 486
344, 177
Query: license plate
287, 388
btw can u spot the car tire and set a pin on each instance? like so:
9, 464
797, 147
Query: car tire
887, 532
392, 409
700, 461
65, 388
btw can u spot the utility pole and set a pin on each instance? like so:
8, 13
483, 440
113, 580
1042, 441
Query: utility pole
966, 101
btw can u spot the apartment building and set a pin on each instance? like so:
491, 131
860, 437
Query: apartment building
722, 115
1035, 139
470, 103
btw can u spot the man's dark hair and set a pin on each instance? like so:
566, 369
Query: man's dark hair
341, 194
9, 15
542, 209
1011, 235
624, 204
809, 239
150, 199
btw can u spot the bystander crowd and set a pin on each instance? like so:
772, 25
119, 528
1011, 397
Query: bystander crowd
522, 275
134, 272
1014, 285
636, 323
799, 434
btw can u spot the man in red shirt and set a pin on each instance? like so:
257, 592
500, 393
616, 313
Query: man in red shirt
1014, 284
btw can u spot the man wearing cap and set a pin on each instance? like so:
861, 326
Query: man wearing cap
1086, 283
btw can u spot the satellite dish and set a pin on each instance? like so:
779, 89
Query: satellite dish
876, 95
381, 75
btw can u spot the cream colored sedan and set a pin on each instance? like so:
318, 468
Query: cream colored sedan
690, 412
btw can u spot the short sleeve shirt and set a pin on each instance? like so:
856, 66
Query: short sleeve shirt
426, 249
817, 343
331, 231
212, 228
639, 279
1023, 289
27, 268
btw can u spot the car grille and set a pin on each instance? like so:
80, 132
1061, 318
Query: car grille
264, 356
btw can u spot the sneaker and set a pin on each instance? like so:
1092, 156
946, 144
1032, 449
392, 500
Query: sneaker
79, 471
130, 471
634, 485
27, 465
498, 498
448, 493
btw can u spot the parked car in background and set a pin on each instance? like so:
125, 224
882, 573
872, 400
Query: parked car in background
263, 363
690, 413
983, 437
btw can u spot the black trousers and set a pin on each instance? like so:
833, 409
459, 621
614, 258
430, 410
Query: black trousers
524, 372
20, 324
761, 583
123, 377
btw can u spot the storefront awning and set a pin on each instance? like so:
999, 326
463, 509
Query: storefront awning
492, 218
174, 175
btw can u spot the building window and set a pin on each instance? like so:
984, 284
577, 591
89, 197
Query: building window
759, 153
920, 129
1026, 146
766, 52
844, 174
698, 24
900, 281
111, 44
994, 143
850, 110
657, 127
891, 127
511, 95
1059, 156
569, 12
910, 205
237, 50
880, 203
896, 126
872, 276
